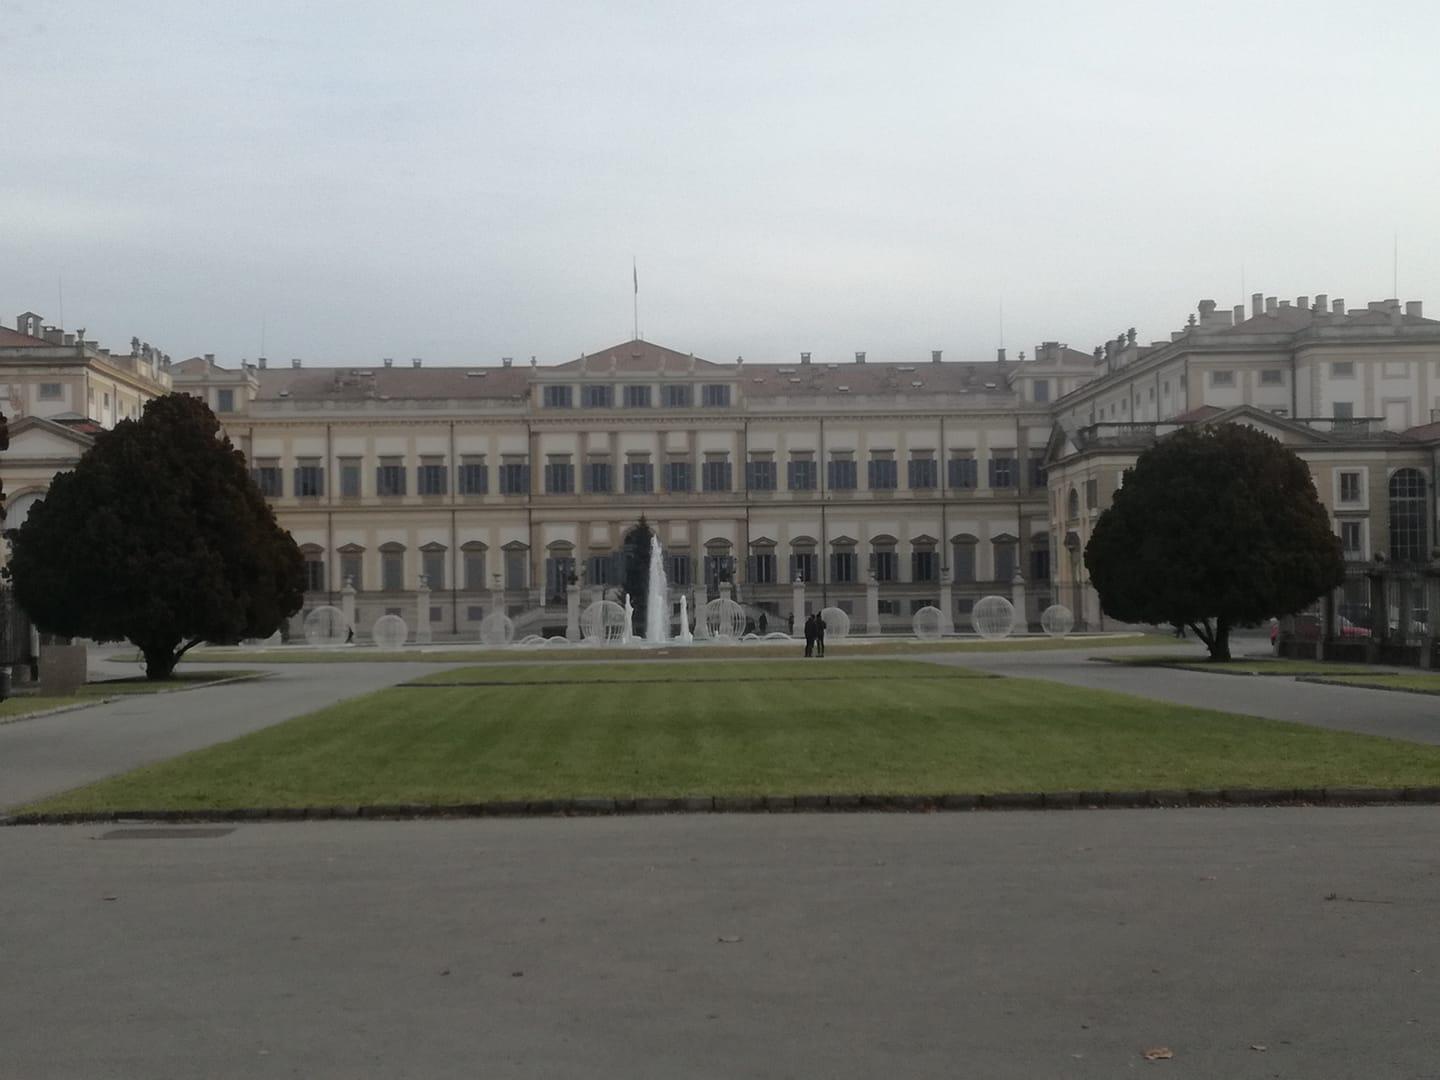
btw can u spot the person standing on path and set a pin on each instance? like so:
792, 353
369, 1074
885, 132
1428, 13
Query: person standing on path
809, 635
819, 635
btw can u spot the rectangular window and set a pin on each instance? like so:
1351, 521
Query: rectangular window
597, 396
558, 569
715, 396
678, 476
390, 477
715, 473
1342, 369
392, 570
432, 565
309, 478
677, 395
1272, 377
804, 565
1042, 390
842, 472
600, 570
924, 473
314, 573
225, 401
1352, 539
887, 607
964, 472
349, 478
1343, 410
883, 473
842, 566
514, 476
560, 476
517, 574
1004, 562
637, 397
474, 612
598, 480
352, 569
1222, 378
1002, 470
802, 474
474, 476
639, 476
1092, 494
558, 397
431, 478
1037, 471
761, 570
54, 391
677, 569
963, 559
760, 473
475, 571
267, 479
924, 566
884, 565
1349, 487
716, 566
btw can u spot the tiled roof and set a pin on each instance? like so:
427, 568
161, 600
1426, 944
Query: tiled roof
635, 357
874, 379
1196, 415
360, 384
13, 339
1287, 320
1425, 432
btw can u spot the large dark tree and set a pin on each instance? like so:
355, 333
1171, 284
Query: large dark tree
160, 537
1213, 528
635, 559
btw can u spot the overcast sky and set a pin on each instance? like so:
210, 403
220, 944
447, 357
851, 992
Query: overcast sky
464, 182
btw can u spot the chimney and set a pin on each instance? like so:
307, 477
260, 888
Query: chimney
295, 361
1207, 309
1257, 303
262, 362
506, 361
1303, 303
209, 359
1322, 302
1414, 307
1000, 354
1239, 314
804, 358
1271, 305
415, 361
1337, 307
388, 361
534, 362
859, 357
69, 339
934, 356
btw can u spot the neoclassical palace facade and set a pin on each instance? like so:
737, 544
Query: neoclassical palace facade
494, 484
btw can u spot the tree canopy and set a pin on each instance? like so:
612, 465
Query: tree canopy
158, 536
1213, 528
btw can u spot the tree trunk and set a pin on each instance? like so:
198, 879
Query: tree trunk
1220, 644
160, 662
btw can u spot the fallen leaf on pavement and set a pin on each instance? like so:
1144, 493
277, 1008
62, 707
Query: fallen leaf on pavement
1259, 1046
1158, 1053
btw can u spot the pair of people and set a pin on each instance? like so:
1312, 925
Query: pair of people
814, 635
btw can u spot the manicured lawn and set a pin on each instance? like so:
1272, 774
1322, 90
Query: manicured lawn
751, 734
181, 680
700, 671
22, 706
1245, 665
1423, 682
365, 654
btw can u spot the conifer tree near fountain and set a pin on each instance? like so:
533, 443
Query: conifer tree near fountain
635, 558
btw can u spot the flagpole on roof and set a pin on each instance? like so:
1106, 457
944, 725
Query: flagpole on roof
635, 277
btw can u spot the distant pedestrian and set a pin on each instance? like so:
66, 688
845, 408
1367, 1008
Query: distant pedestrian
764, 623
819, 636
810, 635
790, 624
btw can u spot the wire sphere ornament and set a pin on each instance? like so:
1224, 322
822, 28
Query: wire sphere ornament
389, 632
497, 629
928, 623
1057, 620
557, 642
837, 624
326, 626
603, 622
725, 619
993, 617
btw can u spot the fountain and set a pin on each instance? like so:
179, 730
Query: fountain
685, 637
627, 633
657, 597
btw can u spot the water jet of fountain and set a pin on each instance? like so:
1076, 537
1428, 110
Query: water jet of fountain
627, 632
685, 637
657, 597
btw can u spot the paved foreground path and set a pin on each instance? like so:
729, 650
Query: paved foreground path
991, 945
55, 753
1415, 717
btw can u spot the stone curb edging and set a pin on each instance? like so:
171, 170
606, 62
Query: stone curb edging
76, 706
1329, 680
769, 804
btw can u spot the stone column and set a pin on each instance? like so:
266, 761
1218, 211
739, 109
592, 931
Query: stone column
572, 611
872, 604
422, 613
347, 606
1017, 598
797, 601
947, 603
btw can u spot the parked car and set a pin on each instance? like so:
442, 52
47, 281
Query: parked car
1307, 628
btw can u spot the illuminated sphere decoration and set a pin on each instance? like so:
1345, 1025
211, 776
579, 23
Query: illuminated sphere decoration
325, 626
993, 617
389, 632
1057, 620
928, 624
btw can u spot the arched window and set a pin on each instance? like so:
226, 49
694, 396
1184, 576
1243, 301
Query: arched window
1407, 517
1072, 505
